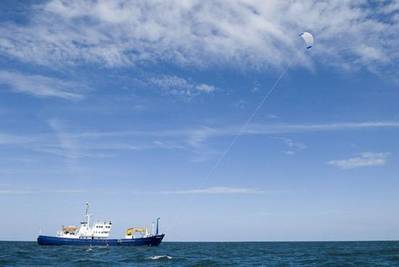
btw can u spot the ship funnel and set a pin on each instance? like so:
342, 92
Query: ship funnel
157, 229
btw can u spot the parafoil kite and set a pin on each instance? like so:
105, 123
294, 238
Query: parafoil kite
308, 38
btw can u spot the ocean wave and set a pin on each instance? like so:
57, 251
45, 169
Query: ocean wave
160, 257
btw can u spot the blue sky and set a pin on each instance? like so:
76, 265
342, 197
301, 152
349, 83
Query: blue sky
130, 105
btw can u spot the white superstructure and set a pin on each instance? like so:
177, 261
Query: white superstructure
100, 230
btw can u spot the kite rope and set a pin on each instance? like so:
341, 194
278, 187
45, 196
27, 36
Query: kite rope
245, 125
239, 133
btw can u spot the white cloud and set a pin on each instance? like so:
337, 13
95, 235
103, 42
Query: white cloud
177, 86
205, 88
73, 144
391, 7
293, 146
243, 33
16, 192
200, 135
68, 146
10, 139
365, 159
38, 191
290, 128
272, 116
215, 190
40, 86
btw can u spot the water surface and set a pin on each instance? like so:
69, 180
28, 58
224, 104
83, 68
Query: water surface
384, 253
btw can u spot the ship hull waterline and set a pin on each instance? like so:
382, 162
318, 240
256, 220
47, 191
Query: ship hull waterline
59, 241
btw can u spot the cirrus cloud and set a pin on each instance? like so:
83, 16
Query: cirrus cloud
245, 33
215, 190
41, 86
177, 86
365, 159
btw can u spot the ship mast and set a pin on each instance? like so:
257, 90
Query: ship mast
87, 215
157, 230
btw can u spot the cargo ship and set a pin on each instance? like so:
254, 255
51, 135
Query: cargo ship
97, 235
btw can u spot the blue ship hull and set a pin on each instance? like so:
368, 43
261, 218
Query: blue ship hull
58, 241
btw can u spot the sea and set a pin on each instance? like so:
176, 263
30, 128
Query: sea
377, 253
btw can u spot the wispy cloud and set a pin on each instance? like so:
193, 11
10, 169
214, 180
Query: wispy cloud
16, 192
12, 139
340, 126
68, 145
73, 144
293, 146
177, 86
206, 88
197, 137
40, 86
38, 191
365, 159
272, 116
255, 34
216, 191
204, 133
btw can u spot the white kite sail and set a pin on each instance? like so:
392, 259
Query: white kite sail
308, 38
